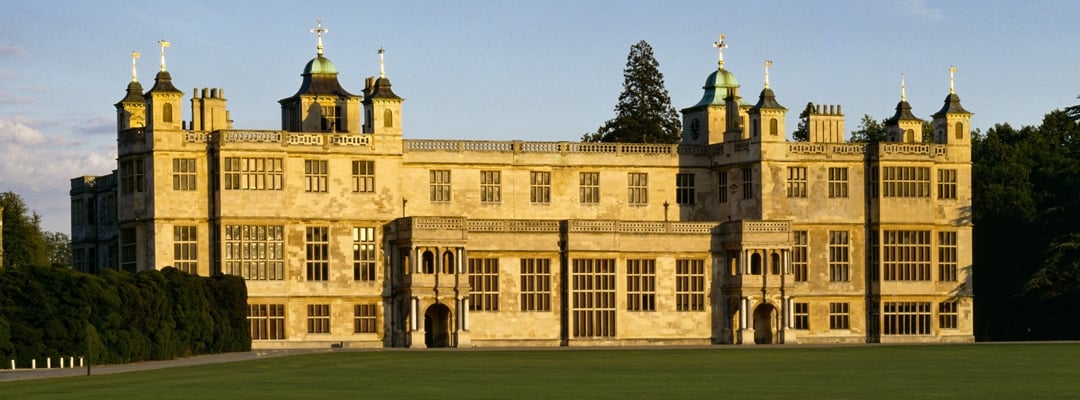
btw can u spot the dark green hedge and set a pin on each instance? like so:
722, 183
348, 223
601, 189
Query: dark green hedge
119, 317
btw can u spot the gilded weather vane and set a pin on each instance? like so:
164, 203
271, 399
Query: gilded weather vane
319, 31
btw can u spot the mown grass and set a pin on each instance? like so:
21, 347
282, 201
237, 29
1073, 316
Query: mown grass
984, 371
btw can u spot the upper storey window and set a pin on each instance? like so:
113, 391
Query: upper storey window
684, 188
331, 119
905, 182
796, 183
131, 176
540, 187
637, 188
244, 173
440, 185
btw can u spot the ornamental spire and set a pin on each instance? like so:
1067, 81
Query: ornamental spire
382, 70
319, 31
903, 93
163, 45
768, 63
720, 45
134, 56
952, 72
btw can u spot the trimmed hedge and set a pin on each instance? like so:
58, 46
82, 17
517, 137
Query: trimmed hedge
119, 317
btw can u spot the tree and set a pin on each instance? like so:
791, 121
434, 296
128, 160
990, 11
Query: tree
644, 113
58, 247
870, 131
24, 243
802, 131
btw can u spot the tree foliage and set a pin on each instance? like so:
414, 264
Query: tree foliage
1026, 208
24, 242
119, 317
644, 113
870, 131
58, 248
802, 130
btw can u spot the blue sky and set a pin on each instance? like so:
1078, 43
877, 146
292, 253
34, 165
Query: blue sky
509, 70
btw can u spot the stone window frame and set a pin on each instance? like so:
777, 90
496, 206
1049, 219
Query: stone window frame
318, 318
641, 285
484, 280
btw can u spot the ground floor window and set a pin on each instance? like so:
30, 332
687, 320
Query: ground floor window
484, 279
802, 315
690, 285
266, 321
838, 316
318, 318
907, 318
535, 284
948, 315
365, 318
641, 285
593, 297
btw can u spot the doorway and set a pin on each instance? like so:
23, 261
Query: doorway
763, 324
437, 326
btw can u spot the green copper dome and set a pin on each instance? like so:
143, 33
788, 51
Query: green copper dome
716, 87
721, 78
320, 65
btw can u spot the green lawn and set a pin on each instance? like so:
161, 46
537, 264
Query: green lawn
984, 371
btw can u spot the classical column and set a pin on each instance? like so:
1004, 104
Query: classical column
438, 260
460, 260
412, 314
465, 313
417, 260
742, 312
790, 312
741, 262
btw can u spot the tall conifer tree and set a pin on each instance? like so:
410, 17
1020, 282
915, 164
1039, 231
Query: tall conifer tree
644, 113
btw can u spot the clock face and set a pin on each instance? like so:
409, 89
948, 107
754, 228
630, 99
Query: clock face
695, 128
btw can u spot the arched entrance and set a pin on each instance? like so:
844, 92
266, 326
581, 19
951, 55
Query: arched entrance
763, 324
437, 326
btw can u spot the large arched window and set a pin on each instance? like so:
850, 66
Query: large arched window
428, 263
755, 264
388, 118
959, 130
166, 112
448, 262
773, 127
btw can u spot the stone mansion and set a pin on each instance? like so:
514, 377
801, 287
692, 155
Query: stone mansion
348, 233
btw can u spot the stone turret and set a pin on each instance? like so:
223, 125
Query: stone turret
903, 127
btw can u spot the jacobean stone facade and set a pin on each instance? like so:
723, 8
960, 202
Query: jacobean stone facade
349, 234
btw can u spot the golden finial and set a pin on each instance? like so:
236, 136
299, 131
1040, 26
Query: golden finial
768, 63
134, 56
903, 93
952, 72
163, 45
720, 45
319, 31
382, 70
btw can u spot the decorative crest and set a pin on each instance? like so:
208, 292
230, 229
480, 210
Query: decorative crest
319, 31
952, 72
382, 70
768, 63
163, 43
720, 45
134, 55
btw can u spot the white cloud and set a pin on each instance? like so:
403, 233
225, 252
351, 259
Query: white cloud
919, 9
16, 134
39, 168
